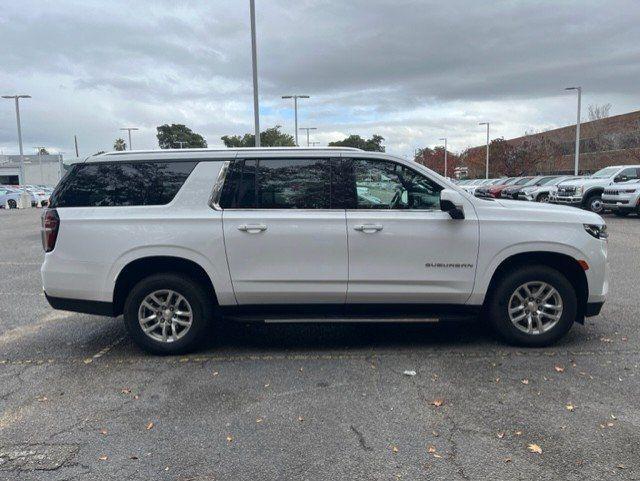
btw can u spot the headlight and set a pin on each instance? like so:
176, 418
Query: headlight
579, 190
596, 230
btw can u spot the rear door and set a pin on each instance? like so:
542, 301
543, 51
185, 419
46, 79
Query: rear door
402, 247
286, 242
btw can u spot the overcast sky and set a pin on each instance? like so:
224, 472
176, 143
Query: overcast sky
410, 70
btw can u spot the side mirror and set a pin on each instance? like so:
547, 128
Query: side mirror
452, 202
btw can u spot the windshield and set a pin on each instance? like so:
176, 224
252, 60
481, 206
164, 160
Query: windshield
522, 181
534, 181
546, 181
605, 173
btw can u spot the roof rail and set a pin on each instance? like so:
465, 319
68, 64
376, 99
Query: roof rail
234, 149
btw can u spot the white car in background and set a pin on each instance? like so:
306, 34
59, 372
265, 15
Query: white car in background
544, 191
622, 198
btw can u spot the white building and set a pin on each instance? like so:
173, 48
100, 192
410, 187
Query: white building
38, 169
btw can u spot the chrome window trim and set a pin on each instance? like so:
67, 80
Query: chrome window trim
216, 192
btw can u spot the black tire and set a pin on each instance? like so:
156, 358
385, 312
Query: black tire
542, 198
201, 303
594, 203
12, 204
498, 301
621, 213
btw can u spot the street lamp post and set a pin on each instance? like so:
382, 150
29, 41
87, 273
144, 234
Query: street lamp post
254, 64
445, 155
17, 100
129, 129
308, 129
487, 162
295, 110
577, 159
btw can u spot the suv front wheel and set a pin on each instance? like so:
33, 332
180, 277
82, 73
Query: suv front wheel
167, 313
532, 306
594, 203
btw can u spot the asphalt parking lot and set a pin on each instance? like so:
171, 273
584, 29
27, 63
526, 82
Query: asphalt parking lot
79, 401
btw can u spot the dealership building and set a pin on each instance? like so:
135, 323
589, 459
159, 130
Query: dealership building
612, 140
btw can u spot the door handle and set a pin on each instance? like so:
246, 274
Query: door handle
252, 228
368, 228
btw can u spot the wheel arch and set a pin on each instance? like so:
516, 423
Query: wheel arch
564, 263
140, 268
590, 193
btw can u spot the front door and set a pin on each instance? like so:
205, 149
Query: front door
402, 247
284, 242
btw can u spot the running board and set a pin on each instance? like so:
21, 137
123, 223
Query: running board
296, 320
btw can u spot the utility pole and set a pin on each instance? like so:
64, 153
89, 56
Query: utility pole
295, 110
254, 61
17, 100
487, 163
577, 159
445, 156
308, 129
129, 129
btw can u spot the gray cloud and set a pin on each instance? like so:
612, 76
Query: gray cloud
411, 69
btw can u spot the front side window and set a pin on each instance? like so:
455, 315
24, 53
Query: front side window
278, 184
109, 184
629, 173
383, 184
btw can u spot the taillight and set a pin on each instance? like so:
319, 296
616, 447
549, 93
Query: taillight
50, 226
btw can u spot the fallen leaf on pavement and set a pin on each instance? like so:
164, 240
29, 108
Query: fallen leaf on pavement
525, 381
126, 390
103, 432
300, 418
437, 402
103, 458
394, 449
500, 435
150, 425
534, 448
229, 439
559, 368
409, 373
570, 407
431, 449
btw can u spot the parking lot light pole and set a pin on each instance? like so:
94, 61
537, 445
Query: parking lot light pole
129, 129
308, 129
487, 163
445, 156
295, 110
577, 159
17, 100
254, 65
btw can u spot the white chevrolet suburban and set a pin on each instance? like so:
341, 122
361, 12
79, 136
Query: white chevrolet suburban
177, 239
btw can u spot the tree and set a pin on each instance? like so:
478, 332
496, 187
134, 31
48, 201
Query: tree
597, 112
176, 136
272, 137
120, 144
434, 159
374, 144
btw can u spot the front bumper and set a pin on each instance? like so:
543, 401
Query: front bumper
575, 201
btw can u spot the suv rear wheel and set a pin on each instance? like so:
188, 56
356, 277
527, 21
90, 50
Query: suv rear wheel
543, 198
532, 306
167, 313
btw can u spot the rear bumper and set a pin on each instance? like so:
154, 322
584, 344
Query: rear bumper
80, 305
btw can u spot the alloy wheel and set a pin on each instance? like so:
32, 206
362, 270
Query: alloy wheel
165, 315
535, 307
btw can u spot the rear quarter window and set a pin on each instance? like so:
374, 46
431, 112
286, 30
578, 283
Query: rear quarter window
111, 184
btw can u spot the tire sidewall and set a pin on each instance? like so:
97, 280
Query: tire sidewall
186, 287
498, 308
543, 198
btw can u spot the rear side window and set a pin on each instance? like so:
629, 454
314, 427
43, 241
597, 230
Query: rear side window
278, 184
110, 184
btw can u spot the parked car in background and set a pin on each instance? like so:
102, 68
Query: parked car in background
511, 192
495, 191
9, 197
475, 184
543, 191
622, 198
483, 191
586, 192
